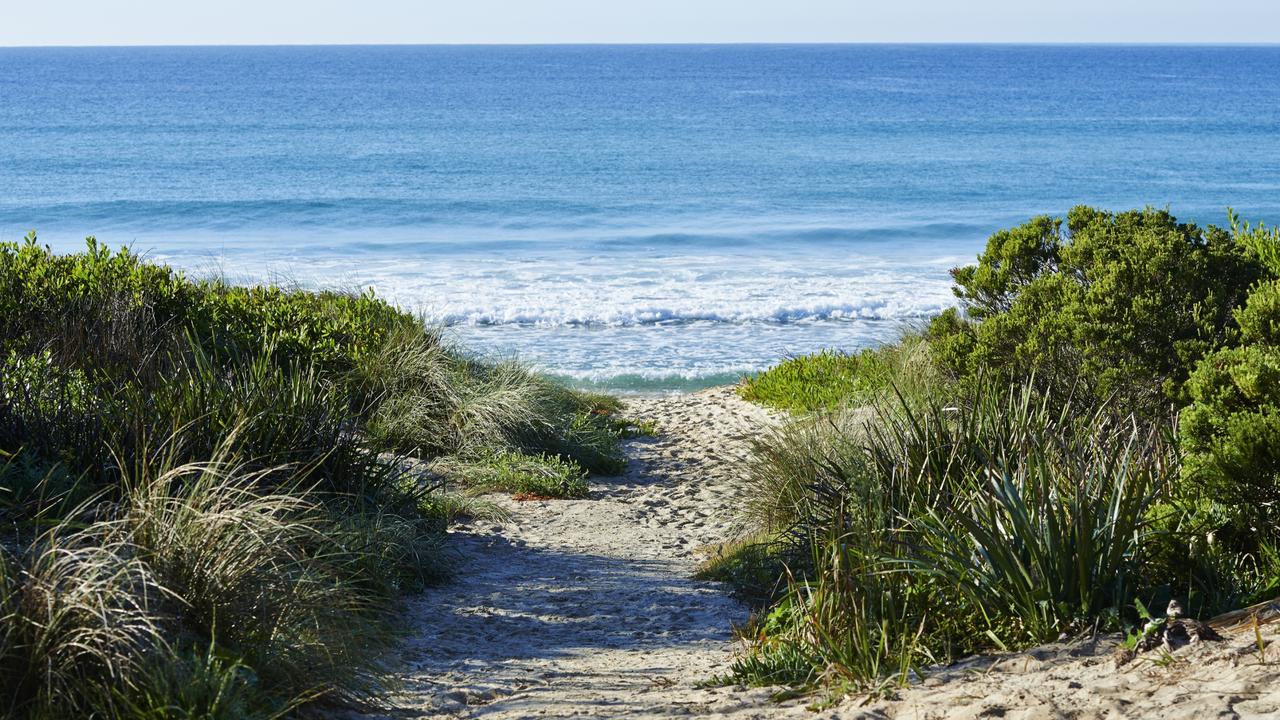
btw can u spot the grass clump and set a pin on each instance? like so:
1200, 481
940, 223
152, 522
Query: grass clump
753, 566
209, 492
526, 476
814, 382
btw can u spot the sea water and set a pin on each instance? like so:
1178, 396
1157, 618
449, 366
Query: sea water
631, 217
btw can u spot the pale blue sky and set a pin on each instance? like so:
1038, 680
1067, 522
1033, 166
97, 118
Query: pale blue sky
149, 22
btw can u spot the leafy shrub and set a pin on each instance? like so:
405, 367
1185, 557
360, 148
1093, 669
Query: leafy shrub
98, 310
1260, 241
1231, 431
48, 409
1119, 305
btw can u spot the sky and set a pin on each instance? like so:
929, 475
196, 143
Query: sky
217, 22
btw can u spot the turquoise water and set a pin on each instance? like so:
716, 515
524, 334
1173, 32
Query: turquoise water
628, 216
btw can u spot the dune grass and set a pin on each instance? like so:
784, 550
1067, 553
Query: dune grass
753, 566
213, 496
940, 530
527, 476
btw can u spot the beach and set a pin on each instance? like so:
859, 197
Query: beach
734, 380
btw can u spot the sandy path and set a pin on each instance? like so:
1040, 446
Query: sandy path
586, 607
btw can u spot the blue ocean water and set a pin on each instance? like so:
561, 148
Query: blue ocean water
632, 216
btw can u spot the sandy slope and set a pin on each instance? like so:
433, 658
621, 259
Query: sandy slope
586, 608
1212, 680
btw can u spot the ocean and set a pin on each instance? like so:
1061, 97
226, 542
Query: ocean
625, 217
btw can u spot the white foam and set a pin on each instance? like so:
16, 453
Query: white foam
644, 317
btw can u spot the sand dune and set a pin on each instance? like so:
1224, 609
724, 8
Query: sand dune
585, 608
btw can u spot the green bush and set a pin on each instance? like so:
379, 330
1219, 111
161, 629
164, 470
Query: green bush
245, 450
1231, 431
1114, 305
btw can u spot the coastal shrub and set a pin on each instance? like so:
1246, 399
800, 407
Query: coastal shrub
50, 410
1231, 431
1260, 241
331, 330
230, 347
209, 511
1111, 305
121, 321
96, 311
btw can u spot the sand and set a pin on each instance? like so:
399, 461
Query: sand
1081, 680
587, 608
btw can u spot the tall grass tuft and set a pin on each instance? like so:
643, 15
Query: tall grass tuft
942, 528
265, 573
1047, 535
77, 617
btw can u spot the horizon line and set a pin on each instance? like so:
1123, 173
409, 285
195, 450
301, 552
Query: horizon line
763, 43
